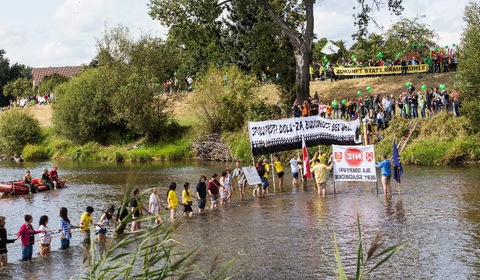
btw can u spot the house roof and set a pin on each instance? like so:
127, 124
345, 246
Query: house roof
66, 71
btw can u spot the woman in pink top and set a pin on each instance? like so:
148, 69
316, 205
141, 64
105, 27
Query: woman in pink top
27, 236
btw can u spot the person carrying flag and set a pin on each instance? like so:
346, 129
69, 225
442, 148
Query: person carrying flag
397, 165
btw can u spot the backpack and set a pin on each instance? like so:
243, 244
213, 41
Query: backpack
261, 170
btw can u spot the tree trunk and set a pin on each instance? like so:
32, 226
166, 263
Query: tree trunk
302, 73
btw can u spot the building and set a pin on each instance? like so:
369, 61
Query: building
66, 71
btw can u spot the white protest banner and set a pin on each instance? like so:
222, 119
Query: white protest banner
274, 136
354, 163
251, 175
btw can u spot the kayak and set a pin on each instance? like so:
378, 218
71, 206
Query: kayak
18, 188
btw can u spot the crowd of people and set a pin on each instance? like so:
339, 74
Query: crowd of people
379, 110
218, 192
438, 61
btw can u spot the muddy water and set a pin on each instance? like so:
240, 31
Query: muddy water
283, 236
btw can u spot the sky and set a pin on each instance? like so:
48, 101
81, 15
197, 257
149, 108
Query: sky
63, 32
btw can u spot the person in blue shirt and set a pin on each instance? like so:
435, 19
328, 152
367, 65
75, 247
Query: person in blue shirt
386, 174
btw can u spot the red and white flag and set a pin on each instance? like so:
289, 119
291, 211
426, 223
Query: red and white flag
306, 161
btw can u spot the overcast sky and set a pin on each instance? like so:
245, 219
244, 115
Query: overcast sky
62, 32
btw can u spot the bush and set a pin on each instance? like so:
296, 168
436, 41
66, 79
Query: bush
83, 153
36, 152
18, 129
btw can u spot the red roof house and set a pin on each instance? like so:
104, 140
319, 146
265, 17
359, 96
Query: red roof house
66, 71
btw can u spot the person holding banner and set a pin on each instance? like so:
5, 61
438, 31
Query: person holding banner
386, 174
264, 178
320, 172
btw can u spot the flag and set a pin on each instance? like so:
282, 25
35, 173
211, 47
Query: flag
329, 48
306, 162
397, 165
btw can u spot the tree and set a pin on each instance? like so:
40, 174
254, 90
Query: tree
18, 129
468, 64
50, 82
302, 38
4, 75
20, 87
410, 34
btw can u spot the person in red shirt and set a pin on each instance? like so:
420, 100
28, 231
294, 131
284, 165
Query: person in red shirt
213, 188
54, 177
26, 233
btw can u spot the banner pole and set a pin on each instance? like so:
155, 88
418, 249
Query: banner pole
334, 188
398, 183
365, 135
376, 184
273, 173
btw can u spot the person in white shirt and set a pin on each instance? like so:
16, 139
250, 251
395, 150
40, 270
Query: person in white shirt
294, 166
154, 206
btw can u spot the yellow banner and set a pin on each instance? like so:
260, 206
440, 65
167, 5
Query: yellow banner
382, 70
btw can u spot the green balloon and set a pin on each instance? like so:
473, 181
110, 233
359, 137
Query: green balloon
436, 49
369, 89
175, 74
453, 45
359, 93
344, 102
446, 47
380, 55
424, 87
404, 51
420, 45
408, 84
413, 45
443, 87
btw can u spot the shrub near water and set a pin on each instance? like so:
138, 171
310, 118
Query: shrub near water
17, 130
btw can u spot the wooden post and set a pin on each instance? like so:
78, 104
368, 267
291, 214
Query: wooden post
376, 184
273, 173
334, 188
365, 134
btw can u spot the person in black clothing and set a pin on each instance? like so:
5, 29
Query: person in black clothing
403, 63
122, 213
202, 193
3, 242
46, 179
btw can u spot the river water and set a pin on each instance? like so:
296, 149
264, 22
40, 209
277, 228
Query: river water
283, 236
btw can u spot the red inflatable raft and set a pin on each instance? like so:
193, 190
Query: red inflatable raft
17, 187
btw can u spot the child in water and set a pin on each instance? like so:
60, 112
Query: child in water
187, 200
172, 200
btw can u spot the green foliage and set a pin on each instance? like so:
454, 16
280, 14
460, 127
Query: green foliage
18, 129
239, 144
441, 140
148, 254
49, 83
364, 266
21, 87
220, 99
468, 65
84, 152
117, 101
36, 152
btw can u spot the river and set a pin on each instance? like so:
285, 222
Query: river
284, 236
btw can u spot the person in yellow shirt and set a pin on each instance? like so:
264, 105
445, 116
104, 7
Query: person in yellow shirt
320, 171
279, 168
172, 200
86, 221
187, 200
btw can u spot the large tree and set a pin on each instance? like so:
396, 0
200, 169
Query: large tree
469, 66
295, 18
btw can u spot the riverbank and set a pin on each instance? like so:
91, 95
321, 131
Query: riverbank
441, 140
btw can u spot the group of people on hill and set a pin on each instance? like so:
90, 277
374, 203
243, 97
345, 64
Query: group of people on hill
49, 178
437, 61
380, 110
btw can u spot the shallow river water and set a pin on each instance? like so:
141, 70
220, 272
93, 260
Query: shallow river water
283, 236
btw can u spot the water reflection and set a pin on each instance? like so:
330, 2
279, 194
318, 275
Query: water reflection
283, 236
